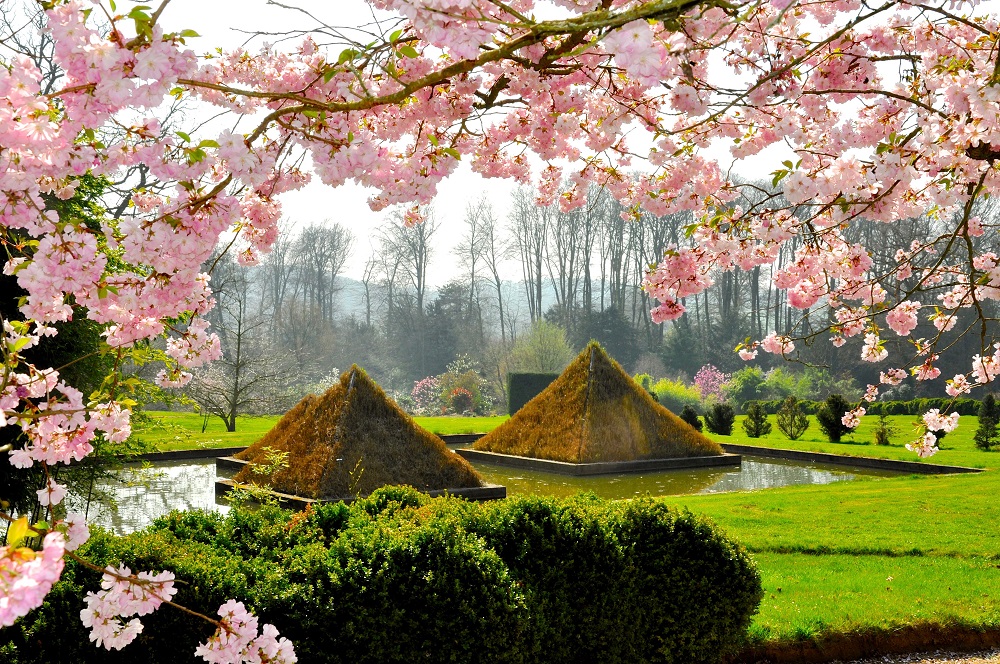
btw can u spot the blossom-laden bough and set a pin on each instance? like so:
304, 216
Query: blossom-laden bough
889, 110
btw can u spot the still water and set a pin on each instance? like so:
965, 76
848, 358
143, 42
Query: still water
142, 494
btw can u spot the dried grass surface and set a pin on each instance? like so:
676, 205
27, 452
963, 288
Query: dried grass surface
350, 441
595, 412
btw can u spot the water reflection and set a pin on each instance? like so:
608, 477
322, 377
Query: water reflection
146, 493
756, 473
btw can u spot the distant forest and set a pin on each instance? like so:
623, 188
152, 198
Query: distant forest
289, 323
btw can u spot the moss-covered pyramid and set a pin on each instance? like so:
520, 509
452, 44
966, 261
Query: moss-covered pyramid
595, 412
350, 441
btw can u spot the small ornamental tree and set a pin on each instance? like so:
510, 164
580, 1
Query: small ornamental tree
989, 416
831, 417
884, 431
690, 415
755, 423
791, 420
719, 419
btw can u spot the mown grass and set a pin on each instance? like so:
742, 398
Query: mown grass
169, 431
841, 558
957, 447
818, 596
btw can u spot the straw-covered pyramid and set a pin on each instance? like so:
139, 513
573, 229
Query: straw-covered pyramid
350, 441
595, 412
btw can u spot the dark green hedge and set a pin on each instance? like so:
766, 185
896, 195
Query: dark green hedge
913, 407
399, 577
523, 387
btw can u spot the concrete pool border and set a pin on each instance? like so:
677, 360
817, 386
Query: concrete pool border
599, 468
224, 485
850, 461
747, 450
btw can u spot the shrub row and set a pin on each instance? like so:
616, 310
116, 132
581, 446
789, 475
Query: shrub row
913, 407
399, 577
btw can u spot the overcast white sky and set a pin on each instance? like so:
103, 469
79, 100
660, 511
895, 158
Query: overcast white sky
226, 24
219, 22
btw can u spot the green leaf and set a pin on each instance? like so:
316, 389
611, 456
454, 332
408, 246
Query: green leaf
433, 139
184, 136
310, 113
346, 55
778, 177
17, 532
408, 51
208, 143
329, 74
395, 36
113, 7
189, 33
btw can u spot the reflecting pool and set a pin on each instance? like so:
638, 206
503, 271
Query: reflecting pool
144, 493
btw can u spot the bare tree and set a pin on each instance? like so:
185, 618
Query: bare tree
249, 378
529, 225
321, 250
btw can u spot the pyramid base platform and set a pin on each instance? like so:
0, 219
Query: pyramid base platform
599, 468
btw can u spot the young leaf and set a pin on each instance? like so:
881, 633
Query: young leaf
17, 532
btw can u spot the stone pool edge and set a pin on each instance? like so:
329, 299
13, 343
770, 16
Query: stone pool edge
748, 450
851, 461
599, 468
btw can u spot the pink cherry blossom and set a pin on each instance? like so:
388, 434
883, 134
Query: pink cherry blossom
925, 446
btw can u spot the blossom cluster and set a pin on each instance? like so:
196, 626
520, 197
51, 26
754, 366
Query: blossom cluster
238, 640
545, 102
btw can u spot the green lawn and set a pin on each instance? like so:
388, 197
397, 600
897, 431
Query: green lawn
168, 431
838, 558
957, 447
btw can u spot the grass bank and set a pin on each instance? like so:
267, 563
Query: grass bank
838, 559
170, 431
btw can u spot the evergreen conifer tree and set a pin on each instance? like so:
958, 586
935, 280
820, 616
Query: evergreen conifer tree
791, 420
720, 418
830, 416
989, 415
755, 423
690, 415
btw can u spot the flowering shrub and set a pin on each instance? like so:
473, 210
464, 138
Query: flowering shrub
709, 382
426, 396
461, 400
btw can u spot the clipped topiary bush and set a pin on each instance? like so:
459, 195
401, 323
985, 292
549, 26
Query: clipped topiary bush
720, 418
400, 577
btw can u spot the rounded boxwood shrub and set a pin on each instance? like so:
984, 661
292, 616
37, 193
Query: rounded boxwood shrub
400, 577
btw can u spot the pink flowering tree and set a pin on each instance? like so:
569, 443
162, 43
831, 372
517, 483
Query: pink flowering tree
878, 111
709, 381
